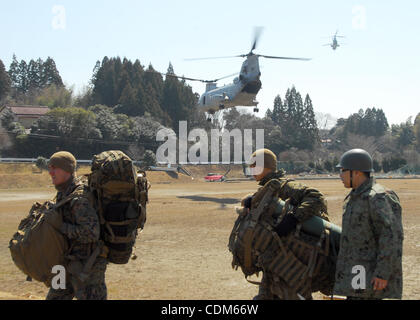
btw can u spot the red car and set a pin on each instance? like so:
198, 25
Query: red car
214, 177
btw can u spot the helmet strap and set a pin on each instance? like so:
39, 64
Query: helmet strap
351, 179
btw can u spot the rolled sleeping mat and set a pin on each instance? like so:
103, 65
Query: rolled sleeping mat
315, 226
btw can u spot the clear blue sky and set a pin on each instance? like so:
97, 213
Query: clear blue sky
377, 67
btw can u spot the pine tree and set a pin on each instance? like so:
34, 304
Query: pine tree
381, 125
34, 75
14, 72
128, 102
4, 82
95, 72
105, 84
50, 74
310, 126
23, 84
156, 81
416, 129
278, 113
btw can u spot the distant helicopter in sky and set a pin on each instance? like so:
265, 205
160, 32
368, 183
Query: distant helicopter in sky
334, 45
244, 89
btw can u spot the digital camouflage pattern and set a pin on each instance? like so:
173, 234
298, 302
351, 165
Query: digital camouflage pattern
372, 237
81, 228
80, 220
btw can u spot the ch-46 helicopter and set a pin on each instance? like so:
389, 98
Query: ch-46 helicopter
244, 89
334, 45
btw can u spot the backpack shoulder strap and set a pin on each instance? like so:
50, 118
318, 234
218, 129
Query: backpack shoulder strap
76, 193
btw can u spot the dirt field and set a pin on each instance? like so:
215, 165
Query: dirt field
182, 253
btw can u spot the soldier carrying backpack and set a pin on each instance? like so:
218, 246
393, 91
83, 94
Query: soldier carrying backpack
89, 224
267, 236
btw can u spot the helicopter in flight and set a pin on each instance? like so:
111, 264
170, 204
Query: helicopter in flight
334, 45
244, 88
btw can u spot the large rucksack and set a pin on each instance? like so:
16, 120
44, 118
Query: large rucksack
119, 195
37, 246
304, 259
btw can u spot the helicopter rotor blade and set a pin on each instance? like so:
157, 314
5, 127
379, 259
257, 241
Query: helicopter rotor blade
257, 35
175, 76
284, 58
211, 58
225, 77
192, 79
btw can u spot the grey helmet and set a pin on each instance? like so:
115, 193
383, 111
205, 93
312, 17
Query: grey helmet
356, 159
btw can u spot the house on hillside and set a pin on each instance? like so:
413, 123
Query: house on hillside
25, 114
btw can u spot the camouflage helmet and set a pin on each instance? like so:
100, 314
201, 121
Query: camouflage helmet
356, 159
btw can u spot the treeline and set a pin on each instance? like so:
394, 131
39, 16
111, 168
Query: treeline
133, 91
123, 107
392, 147
33, 76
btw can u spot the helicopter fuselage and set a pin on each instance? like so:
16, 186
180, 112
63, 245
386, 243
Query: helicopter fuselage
242, 92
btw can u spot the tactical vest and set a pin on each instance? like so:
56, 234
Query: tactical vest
303, 261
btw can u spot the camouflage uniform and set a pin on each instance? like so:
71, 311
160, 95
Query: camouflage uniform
81, 228
308, 202
372, 237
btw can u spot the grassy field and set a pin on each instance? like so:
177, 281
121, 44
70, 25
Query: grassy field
182, 253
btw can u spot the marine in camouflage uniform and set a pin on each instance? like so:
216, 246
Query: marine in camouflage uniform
372, 234
78, 221
306, 202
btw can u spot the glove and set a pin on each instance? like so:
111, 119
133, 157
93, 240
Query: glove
287, 225
247, 202
54, 219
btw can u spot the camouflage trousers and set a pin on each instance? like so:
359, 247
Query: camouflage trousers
93, 288
279, 290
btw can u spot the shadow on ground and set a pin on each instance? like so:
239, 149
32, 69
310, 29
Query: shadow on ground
223, 201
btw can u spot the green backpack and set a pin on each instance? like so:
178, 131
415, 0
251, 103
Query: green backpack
119, 195
37, 247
